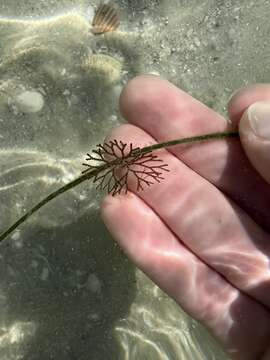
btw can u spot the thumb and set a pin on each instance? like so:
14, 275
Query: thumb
254, 129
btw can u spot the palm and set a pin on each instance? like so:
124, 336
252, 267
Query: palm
199, 234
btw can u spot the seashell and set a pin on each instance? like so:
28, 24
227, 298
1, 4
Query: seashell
103, 69
106, 19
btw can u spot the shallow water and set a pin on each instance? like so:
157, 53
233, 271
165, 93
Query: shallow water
66, 290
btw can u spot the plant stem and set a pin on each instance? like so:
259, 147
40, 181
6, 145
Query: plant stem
189, 140
48, 198
93, 172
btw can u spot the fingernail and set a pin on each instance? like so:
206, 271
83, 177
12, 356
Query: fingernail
259, 119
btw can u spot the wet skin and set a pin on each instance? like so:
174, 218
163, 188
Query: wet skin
202, 234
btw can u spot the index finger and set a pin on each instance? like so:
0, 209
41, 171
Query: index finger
166, 113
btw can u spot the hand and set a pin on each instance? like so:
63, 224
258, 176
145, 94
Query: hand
201, 234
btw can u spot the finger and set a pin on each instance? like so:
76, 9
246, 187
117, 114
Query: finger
255, 136
167, 113
253, 125
245, 97
196, 287
211, 226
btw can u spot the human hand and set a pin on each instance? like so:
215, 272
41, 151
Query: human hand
202, 234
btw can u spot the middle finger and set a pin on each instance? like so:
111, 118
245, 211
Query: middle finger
208, 223
168, 113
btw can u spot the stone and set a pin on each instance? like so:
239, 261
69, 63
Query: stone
29, 102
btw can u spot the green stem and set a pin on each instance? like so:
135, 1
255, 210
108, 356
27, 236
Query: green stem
48, 198
189, 140
92, 173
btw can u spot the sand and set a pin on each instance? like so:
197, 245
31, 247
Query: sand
49, 306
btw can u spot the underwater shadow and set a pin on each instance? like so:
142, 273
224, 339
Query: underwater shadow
73, 283
238, 171
242, 313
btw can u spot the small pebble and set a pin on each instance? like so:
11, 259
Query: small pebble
93, 284
44, 274
29, 102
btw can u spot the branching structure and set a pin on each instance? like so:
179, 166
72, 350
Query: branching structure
116, 165
124, 165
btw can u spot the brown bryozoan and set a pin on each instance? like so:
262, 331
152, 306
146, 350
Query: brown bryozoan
124, 164
115, 165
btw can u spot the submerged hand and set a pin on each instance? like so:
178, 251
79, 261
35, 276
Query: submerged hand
203, 233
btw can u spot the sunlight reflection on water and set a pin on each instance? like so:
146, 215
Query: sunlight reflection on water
79, 78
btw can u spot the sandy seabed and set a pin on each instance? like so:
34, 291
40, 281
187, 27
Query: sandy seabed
66, 290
